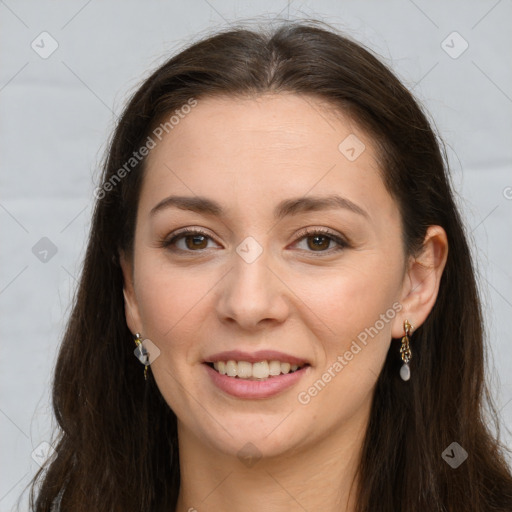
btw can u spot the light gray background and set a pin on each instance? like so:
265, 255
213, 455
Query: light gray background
56, 115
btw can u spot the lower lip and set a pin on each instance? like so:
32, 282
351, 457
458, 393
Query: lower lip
254, 389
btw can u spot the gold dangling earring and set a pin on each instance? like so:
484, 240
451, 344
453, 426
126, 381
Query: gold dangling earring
405, 352
141, 354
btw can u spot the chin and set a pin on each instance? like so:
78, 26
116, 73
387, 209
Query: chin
252, 436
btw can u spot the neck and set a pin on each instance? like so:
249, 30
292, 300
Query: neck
321, 476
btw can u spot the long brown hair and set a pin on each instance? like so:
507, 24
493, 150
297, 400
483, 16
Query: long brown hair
116, 447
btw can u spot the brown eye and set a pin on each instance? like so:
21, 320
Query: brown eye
319, 241
196, 242
188, 241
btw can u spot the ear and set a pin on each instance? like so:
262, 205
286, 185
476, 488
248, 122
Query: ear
131, 309
421, 281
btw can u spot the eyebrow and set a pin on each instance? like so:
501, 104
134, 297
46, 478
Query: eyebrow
292, 206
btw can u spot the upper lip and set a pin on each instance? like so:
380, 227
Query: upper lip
255, 357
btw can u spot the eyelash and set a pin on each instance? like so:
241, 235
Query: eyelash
305, 233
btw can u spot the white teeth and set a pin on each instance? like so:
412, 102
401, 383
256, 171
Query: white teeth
274, 368
231, 368
285, 367
244, 370
259, 370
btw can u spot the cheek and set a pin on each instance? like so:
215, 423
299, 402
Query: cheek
356, 307
358, 310
172, 301
350, 300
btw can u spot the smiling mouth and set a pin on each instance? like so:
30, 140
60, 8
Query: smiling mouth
254, 371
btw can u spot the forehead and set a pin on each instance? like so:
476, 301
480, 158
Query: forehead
268, 124
256, 151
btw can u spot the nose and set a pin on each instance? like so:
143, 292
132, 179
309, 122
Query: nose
253, 295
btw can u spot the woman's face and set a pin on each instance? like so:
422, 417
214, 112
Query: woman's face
253, 286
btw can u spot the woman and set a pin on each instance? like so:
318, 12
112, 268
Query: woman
276, 231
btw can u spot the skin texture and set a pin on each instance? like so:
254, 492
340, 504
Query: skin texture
306, 301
